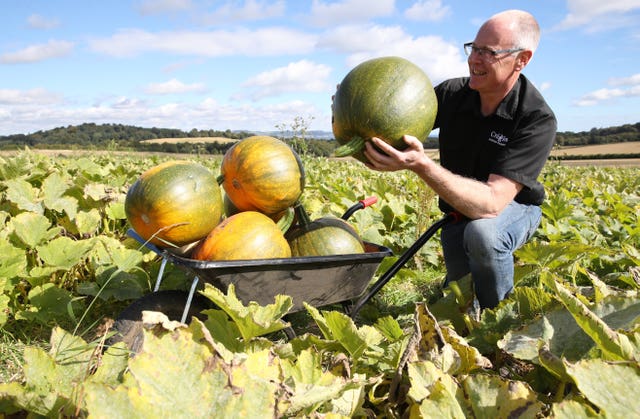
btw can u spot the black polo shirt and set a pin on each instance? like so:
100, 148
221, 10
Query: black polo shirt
514, 142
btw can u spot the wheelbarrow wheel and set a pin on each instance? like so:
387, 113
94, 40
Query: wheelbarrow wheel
128, 326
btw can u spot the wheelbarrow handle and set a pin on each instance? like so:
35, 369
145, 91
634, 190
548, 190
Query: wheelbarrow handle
408, 254
363, 203
133, 234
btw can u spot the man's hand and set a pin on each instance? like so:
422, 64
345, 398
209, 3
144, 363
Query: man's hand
411, 158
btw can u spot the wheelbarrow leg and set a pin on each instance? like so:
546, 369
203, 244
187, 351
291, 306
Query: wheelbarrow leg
160, 274
187, 306
408, 254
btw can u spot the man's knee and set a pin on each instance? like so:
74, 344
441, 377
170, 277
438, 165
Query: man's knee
481, 238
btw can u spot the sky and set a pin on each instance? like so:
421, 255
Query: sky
260, 65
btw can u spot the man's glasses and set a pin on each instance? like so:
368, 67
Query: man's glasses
485, 53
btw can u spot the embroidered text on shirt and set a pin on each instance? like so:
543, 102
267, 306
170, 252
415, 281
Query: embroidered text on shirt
498, 138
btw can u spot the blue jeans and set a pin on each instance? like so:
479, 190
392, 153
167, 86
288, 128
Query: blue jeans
484, 248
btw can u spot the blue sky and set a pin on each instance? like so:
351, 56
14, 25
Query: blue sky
259, 64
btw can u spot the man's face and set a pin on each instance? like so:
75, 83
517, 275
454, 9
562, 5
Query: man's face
491, 72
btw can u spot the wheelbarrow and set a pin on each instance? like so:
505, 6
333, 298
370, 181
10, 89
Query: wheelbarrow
317, 280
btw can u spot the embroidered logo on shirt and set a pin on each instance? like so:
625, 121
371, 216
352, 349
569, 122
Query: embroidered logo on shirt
499, 139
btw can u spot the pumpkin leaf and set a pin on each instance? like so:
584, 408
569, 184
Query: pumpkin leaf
495, 397
23, 195
64, 253
252, 320
49, 304
32, 228
608, 391
175, 375
53, 190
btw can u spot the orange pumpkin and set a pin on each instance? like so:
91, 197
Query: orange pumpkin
174, 203
245, 235
263, 174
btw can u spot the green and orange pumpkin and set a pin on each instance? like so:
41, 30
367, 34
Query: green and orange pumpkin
245, 235
263, 174
324, 236
174, 203
384, 97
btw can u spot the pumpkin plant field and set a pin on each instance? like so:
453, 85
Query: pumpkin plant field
565, 344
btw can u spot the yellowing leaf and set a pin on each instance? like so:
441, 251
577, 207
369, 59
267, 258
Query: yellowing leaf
494, 397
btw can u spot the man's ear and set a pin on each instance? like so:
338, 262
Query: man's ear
523, 59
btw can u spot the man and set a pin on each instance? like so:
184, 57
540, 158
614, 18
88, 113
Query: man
496, 132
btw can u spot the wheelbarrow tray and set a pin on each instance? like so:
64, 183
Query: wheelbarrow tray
316, 280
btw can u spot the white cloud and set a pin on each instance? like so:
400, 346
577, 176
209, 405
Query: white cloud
544, 86
301, 76
593, 12
39, 52
438, 58
261, 42
331, 14
36, 21
625, 81
152, 7
631, 88
251, 10
427, 11
207, 114
36, 96
174, 86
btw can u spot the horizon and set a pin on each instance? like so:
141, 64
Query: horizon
256, 64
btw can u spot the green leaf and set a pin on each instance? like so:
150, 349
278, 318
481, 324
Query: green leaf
112, 252
564, 337
33, 229
88, 222
608, 386
48, 304
313, 386
571, 409
390, 328
4, 309
223, 330
614, 345
52, 379
13, 263
53, 189
63, 252
355, 340
115, 211
25, 196
252, 320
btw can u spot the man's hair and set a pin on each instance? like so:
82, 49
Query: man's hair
526, 31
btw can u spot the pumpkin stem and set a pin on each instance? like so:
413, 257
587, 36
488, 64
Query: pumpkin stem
286, 220
301, 213
355, 145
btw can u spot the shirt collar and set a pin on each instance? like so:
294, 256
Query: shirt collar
506, 109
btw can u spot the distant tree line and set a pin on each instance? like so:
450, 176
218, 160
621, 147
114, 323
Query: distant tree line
618, 134
92, 136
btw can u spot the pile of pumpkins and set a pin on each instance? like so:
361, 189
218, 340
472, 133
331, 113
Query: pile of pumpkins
179, 203
251, 210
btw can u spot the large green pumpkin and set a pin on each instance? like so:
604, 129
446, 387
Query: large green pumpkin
387, 98
174, 203
263, 174
324, 236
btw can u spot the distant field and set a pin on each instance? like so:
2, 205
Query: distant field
194, 140
600, 149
